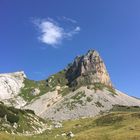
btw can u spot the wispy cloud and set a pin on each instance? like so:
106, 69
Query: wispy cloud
53, 33
74, 31
69, 19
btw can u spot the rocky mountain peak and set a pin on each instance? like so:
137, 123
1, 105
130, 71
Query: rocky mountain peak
88, 69
92, 52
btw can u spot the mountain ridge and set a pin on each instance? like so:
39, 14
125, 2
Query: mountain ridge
83, 89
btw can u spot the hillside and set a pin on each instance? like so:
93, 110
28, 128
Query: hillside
17, 121
118, 125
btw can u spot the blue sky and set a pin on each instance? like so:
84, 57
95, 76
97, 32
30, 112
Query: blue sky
42, 36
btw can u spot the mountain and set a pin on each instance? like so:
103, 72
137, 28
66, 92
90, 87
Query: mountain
79, 102
88, 69
82, 89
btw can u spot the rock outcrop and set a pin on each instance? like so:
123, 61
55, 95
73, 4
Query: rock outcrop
10, 84
88, 69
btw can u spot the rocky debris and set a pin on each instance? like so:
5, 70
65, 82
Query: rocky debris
57, 136
15, 125
57, 124
58, 88
87, 103
17, 102
63, 134
88, 69
10, 84
70, 134
35, 92
41, 104
6, 125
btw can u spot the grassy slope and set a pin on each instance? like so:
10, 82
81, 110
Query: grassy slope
114, 126
117, 126
44, 86
58, 79
30, 85
23, 118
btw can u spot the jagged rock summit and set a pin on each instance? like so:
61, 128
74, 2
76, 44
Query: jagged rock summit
88, 69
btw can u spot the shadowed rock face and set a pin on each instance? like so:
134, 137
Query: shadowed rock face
88, 69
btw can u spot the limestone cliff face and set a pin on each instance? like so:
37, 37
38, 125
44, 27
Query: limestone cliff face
10, 84
88, 69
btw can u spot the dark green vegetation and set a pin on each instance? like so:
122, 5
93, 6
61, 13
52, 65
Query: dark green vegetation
30, 86
11, 114
76, 99
98, 104
17, 120
89, 99
44, 86
100, 86
58, 79
112, 126
79, 95
122, 108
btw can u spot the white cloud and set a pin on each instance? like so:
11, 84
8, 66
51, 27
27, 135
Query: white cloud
77, 29
52, 33
72, 32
